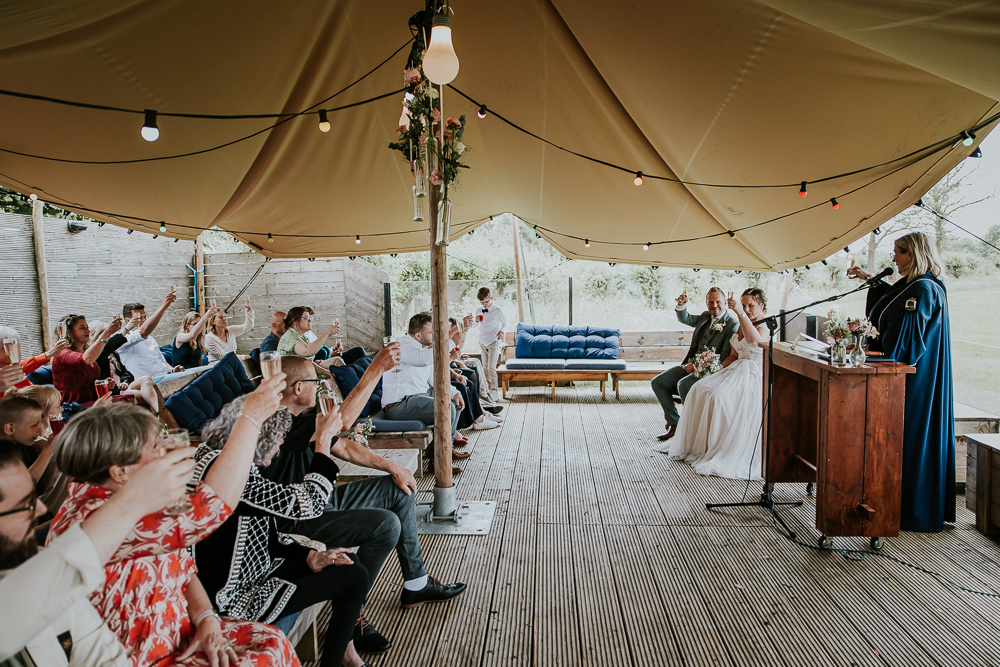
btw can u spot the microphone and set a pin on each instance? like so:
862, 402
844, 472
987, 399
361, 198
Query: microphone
884, 273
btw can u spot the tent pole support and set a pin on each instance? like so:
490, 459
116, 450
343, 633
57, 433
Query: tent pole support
517, 270
442, 382
37, 230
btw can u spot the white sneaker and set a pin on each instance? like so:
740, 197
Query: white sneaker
484, 424
497, 418
493, 397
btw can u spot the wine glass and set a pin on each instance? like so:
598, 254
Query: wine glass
12, 347
336, 323
270, 364
385, 342
172, 439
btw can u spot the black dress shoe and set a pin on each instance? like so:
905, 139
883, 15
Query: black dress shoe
369, 640
434, 591
493, 409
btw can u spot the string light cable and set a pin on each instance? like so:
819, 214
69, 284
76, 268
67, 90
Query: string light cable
920, 204
284, 118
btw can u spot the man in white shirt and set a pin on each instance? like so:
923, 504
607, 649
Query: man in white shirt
141, 353
46, 617
492, 323
409, 393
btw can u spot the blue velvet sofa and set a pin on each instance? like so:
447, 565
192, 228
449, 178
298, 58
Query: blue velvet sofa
553, 353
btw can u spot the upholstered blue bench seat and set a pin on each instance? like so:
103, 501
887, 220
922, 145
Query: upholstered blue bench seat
535, 364
595, 364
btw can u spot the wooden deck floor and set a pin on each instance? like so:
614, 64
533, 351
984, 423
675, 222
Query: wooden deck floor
602, 553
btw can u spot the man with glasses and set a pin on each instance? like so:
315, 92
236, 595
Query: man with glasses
46, 617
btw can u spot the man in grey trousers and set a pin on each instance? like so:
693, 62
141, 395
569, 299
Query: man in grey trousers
713, 330
376, 514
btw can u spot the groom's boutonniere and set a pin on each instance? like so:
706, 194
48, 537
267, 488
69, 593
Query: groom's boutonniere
717, 327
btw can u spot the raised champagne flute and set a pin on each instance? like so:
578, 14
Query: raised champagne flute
102, 387
12, 348
270, 364
336, 323
385, 342
172, 439
326, 397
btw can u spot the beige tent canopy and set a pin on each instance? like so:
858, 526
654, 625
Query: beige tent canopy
731, 92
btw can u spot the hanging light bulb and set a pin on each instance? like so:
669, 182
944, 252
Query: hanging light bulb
847, 249
731, 233
156, 236
638, 179
324, 122
33, 197
440, 61
835, 204
270, 239
976, 153
877, 230
163, 227
100, 224
312, 259
352, 257
823, 262
586, 243
357, 239
967, 137
482, 111
808, 268
149, 130
645, 246
176, 240
803, 191
130, 231
611, 263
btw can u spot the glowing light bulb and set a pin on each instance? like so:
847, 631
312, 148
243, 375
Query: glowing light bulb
149, 130
163, 227
586, 243
440, 60
270, 239
482, 111
645, 246
638, 178
324, 122
357, 239
835, 204
803, 191
967, 137
33, 197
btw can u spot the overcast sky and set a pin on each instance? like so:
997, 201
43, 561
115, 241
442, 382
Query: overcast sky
982, 182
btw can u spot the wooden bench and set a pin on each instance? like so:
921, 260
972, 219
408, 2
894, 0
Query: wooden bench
552, 375
982, 486
969, 420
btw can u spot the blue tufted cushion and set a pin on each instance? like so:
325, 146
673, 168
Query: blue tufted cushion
548, 341
202, 400
347, 378
41, 375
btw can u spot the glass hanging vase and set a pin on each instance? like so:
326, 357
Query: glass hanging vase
419, 178
431, 153
858, 355
838, 352
418, 206
444, 222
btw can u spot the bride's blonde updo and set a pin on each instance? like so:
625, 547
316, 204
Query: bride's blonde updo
758, 295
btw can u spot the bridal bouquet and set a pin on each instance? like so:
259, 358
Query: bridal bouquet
359, 433
706, 363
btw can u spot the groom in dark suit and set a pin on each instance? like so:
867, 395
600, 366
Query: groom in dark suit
713, 331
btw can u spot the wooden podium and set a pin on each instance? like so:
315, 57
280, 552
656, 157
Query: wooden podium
842, 428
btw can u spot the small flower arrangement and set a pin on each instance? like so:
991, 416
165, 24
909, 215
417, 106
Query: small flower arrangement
359, 433
706, 363
862, 326
837, 327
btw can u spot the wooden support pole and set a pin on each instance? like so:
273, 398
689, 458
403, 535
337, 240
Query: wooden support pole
517, 271
37, 226
442, 380
199, 267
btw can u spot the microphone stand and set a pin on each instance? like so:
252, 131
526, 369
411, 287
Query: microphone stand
767, 500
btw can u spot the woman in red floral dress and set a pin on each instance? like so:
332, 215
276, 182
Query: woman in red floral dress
152, 598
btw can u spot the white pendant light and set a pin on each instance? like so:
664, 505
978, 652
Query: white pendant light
440, 61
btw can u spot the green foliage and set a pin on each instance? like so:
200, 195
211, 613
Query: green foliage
12, 202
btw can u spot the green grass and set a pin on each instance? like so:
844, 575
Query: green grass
975, 318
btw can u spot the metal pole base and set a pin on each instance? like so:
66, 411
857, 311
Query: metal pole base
445, 515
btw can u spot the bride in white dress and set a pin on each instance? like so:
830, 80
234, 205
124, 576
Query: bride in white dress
719, 430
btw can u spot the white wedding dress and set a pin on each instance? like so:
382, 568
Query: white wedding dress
720, 426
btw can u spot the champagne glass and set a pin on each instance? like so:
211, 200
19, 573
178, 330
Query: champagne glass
326, 397
102, 387
172, 439
385, 342
12, 347
270, 364
336, 322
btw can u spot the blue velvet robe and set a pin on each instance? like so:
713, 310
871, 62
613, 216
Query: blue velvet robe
919, 333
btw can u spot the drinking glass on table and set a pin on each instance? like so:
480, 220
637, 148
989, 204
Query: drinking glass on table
102, 387
270, 364
326, 397
12, 347
172, 439
385, 342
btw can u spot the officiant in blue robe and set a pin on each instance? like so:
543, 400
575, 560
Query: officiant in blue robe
912, 319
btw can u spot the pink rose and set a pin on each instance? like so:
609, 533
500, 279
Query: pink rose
435, 177
453, 122
436, 115
423, 139
837, 335
411, 75
401, 129
853, 326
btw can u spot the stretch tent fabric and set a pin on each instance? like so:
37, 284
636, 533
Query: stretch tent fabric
732, 92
